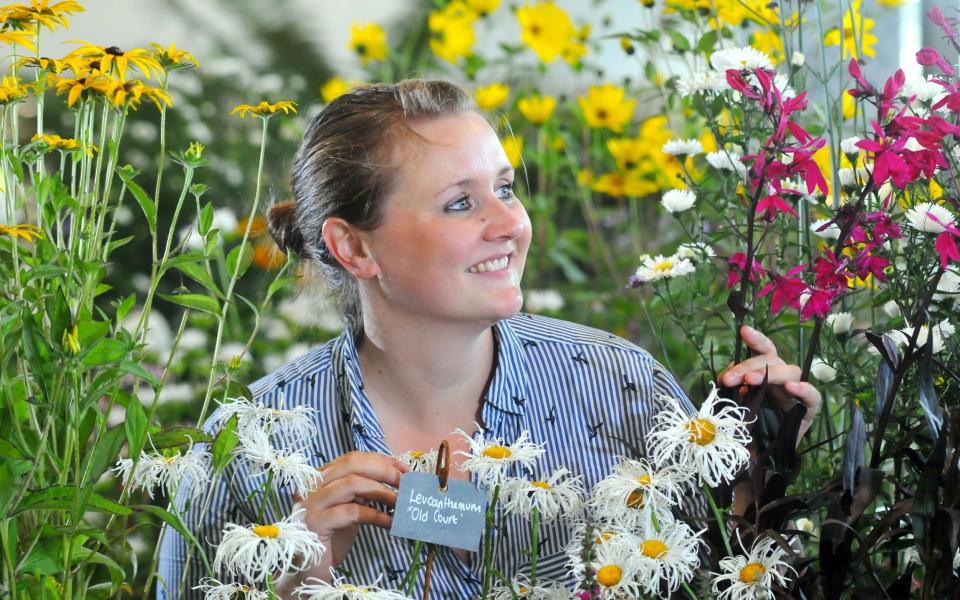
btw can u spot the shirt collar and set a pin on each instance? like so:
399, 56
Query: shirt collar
506, 391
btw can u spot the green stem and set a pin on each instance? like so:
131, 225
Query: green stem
534, 549
721, 523
266, 497
410, 579
488, 541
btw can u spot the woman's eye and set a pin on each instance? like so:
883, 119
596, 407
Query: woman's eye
505, 192
459, 204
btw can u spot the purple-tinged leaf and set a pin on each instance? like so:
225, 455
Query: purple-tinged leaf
928, 395
853, 449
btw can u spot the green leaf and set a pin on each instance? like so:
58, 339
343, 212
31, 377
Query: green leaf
125, 306
149, 208
194, 270
224, 445
105, 453
137, 370
251, 305
678, 40
239, 259
707, 42
135, 425
60, 497
278, 284
45, 558
117, 574
8, 450
105, 351
205, 221
10, 472
195, 301
89, 330
59, 313
177, 437
167, 517
114, 244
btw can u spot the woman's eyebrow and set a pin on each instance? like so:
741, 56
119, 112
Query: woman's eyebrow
463, 182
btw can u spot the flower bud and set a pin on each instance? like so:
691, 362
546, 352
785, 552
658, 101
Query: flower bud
822, 371
797, 59
891, 309
841, 322
849, 145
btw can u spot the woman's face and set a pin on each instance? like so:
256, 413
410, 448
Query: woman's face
454, 238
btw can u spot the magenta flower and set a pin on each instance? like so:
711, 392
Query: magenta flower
927, 56
787, 290
738, 263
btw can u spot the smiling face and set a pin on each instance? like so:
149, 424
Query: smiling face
453, 238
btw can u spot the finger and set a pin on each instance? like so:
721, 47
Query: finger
776, 375
325, 522
351, 489
757, 342
379, 467
808, 394
734, 375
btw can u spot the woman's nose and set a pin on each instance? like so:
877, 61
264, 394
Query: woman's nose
505, 220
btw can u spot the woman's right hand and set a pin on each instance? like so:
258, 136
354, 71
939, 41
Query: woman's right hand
340, 504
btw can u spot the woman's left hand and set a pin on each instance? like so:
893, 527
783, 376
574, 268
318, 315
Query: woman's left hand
785, 378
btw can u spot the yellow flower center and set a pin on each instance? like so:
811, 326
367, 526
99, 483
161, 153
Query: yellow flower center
603, 537
702, 431
267, 531
635, 499
752, 572
609, 575
497, 452
644, 480
168, 460
416, 454
523, 590
543, 485
653, 548
663, 266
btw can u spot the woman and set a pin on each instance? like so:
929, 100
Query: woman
404, 197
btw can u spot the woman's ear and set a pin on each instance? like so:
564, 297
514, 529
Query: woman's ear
346, 244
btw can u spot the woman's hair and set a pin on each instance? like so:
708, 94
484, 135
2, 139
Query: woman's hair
342, 169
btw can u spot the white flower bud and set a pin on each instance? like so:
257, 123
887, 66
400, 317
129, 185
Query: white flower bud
849, 145
822, 371
891, 309
841, 322
847, 177
797, 59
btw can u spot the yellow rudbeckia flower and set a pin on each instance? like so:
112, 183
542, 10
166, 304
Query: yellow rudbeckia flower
264, 109
482, 7
536, 108
547, 30
368, 41
605, 106
855, 28
131, 93
174, 57
513, 146
112, 56
11, 89
27, 231
55, 142
335, 87
492, 97
40, 12
19, 37
451, 31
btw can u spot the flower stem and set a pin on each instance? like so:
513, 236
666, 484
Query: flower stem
410, 579
721, 523
488, 542
534, 543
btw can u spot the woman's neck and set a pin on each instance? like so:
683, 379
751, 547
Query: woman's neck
432, 377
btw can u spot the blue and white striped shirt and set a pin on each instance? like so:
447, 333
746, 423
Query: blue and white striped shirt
582, 392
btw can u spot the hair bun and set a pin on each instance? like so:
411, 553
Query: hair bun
283, 228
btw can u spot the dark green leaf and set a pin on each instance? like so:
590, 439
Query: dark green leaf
123, 309
139, 371
169, 518
678, 40
135, 426
707, 41
105, 453
177, 436
928, 394
61, 497
194, 270
145, 202
205, 221
223, 446
59, 313
105, 351
239, 259
278, 284
117, 243
194, 301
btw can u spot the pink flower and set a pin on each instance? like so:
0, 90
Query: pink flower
947, 25
818, 304
738, 262
786, 290
863, 86
946, 247
887, 162
773, 204
927, 56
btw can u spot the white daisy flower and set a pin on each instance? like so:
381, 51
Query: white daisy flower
689, 147
489, 459
420, 461
949, 286
941, 332
551, 496
841, 322
288, 468
599, 532
214, 590
739, 58
668, 557
847, 177
616, 570
297, 422
341, 590
929, 217
924, 89
537, 301
520, 588
155, 469
661, 267
678, 200
695, 251
822, 370
711, 443
701, 82
726, 160
849, 145
260, 550
751, 577
634, 491
820, 228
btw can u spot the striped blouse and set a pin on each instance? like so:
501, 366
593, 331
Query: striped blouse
587, 395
